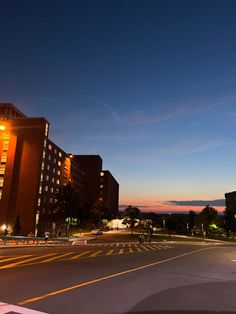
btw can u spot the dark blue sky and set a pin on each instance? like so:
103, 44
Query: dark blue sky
148, 85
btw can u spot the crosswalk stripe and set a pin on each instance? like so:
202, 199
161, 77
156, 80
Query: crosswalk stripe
56, 257
145, 248
25, 261
117, 244
110, 252
152, 248
157, 247
79, 255
12, 258
138, 249
121, 251
130, 250
96, 253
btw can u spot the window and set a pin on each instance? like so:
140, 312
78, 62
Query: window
53, 180
46, 129
58, 172
58, 181
44, 154
48, 167
4, 157
101, 186
60, 154
65, 167
5, 146
41, 177
46, 188
54, 160
1, 181
50, 200
59, 163
49, 157
53, 170
2, 169
0, 193
51, 190
102, 174
49, 146
45, 143
100, 199
47, 178
39, 201
42, 165
40, 189
55, 150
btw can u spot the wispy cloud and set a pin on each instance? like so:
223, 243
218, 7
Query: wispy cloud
218, 202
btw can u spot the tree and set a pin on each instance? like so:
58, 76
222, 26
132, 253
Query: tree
207, 217
17, 226
191, 220
131, 215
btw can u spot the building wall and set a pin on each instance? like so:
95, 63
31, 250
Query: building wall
109, 193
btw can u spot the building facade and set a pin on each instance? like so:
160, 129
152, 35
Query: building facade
33, 168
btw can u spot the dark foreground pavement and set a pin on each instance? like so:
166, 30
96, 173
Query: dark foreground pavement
120, 278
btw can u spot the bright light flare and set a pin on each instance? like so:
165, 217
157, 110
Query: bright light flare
2, 127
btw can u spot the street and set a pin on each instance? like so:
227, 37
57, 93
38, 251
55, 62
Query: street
166, 277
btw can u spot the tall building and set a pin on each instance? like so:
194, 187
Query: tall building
100, 185
33, 168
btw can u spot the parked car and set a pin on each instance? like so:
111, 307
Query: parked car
96, 232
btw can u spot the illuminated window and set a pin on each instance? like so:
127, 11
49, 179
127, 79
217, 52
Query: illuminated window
46, 188
47, 178
0, 193
5, 146
59, 163
41, 177
60, 154
49, 157
54, 160
65, 167
48, 167
58, 172
4, 157
42, 165
101, 186
40, 189
102, 174
51, 190
44, 154
1, 181
2, 169
49, 146
100, 199
45, 143
50, 200
58, 181
55, 150
53, 180
46, 129
39, 201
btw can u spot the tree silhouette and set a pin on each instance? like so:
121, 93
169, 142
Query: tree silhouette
131, 214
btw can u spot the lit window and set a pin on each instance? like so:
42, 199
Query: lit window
39, 201
65, 167
53, 170
100, 199
1, 181
42, 165
50, 200
51, 190
48, 167
58, 172
4, 157
44, 154
40, 189
60, 154
52, 180
5, 146
102, 174
46, 129
58, 181
59, 163
65, 175
41, 178
49, 146
47, 178
45, 143
46, 188
0, 193
54, 160
49, 157
101, 186
55, 150
2, 169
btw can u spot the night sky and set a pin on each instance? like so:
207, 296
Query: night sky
148, 85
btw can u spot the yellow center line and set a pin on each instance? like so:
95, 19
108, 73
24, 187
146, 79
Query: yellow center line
96, 253
110, 252
109, 277
121, 251
79, 255
56, 257
12, 258
25, 261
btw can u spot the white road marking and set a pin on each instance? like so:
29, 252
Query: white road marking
7, 308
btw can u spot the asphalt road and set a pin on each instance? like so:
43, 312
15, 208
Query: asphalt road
166, 278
